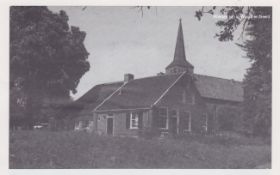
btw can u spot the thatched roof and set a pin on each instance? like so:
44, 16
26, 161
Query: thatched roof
219, 88
94, 97
140, 93
143, 92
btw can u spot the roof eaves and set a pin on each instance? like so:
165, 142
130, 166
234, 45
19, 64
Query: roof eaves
127, 109
223, 99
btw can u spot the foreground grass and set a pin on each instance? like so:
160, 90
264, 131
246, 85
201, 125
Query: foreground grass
43, 149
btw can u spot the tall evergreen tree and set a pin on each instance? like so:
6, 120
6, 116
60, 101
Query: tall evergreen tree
256, 23
258, 81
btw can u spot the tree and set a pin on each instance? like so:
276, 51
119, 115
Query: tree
47, 60
256, 23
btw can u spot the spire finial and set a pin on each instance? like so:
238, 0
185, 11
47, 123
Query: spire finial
180, 20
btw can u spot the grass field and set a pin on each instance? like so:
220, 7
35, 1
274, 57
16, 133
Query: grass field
45, 149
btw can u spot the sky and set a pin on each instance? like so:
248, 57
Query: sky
121, 40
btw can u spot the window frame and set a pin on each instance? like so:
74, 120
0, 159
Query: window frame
206, 120
166, 118
185, 97
78, 125
189, 129
136, 119
175, 113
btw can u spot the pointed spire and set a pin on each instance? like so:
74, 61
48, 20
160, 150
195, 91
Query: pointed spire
179, 59
180, 47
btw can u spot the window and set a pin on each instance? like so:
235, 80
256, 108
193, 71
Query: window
81, 125
188, 98
90, 124
162, 118
163, 111
85, 123
173, 113
162, 122
186, 121
134, 121
184, 97
205, 118
78, 125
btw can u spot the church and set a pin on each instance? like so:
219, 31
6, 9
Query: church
176, 102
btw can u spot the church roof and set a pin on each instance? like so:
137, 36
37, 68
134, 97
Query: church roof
140, 93
90, 100
179, 55
144, 92
219, 88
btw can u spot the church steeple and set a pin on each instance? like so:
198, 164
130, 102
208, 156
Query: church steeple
179, 63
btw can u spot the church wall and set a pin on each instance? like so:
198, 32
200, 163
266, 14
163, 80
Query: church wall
174, 101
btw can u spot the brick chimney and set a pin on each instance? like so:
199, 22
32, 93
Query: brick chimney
128, 77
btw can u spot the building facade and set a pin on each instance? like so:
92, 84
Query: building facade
172, 103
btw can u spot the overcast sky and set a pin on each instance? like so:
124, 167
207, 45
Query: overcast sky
121, 41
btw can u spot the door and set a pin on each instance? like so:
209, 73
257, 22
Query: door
110, 126
173, 125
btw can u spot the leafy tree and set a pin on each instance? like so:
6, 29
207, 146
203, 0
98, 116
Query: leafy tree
47, 60
256, 23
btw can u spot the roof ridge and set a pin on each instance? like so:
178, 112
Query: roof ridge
95, 86
110, 83
219, 78
156, 76
115, 82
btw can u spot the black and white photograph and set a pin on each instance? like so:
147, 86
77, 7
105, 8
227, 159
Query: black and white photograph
140, 87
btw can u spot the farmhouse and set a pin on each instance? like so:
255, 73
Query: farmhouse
175, 102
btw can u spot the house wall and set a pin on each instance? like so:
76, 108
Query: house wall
119, 123
174, 101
